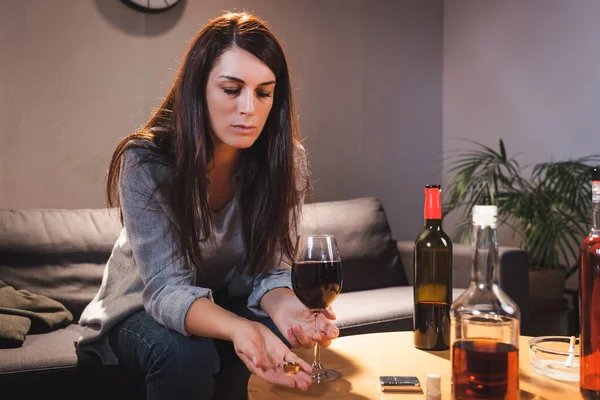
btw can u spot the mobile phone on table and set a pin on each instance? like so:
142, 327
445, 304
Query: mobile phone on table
400, 384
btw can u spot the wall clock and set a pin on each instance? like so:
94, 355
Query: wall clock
151, 6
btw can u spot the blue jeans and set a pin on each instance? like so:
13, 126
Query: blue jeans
176, 366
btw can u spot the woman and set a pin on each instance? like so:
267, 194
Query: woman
209, 192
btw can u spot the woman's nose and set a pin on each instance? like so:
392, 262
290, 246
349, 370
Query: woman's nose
247, 103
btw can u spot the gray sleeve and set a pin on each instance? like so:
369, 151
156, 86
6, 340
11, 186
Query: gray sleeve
281, 275
165, 271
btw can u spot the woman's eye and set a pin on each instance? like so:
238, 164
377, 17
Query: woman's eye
263, 95
231, 92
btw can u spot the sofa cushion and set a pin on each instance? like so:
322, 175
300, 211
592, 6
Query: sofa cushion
48, 365
57, 253
42, 351
369, 255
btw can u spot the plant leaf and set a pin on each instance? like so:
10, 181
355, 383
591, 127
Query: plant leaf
549, 210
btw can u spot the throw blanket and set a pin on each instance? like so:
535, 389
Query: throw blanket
23, 312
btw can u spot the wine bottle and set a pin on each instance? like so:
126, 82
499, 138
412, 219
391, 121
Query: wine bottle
432, 278
589, 301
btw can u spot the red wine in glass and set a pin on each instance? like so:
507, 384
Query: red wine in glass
317, 280
317, 283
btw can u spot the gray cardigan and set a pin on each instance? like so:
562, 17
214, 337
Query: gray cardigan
146, 270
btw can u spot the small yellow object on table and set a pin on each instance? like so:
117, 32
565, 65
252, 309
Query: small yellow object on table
362, 359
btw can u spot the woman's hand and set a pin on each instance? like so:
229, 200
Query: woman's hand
297, 322
264, 354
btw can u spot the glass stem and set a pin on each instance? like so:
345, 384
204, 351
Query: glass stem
316, 365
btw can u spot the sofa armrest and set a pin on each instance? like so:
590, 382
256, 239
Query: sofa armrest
513, 273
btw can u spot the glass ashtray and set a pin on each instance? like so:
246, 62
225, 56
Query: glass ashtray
550, 357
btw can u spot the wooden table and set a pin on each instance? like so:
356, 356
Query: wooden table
363, 358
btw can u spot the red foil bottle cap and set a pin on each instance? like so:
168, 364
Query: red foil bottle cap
433, 203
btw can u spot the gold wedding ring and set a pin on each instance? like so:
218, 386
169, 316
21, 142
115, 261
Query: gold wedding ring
291, 367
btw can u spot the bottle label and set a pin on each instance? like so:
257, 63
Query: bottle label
433, 204
595, 191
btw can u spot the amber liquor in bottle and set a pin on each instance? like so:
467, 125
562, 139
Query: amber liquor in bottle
485, 369
589, 301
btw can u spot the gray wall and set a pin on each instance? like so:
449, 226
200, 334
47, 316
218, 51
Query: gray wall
524, 71
76, 76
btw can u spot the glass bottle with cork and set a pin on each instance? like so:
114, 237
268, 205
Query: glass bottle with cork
485, 324
432, 278
589, 301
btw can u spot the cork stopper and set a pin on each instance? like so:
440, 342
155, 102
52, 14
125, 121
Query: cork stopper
433, 386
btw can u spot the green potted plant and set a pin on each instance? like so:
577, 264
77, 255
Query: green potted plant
549, 211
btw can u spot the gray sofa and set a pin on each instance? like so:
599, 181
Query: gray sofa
61, 254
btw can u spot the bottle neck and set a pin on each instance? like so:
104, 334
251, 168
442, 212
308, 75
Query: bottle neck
595, 219
433, 224
595, 208
485, 255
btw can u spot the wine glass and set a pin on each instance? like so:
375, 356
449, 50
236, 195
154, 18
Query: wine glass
317, 280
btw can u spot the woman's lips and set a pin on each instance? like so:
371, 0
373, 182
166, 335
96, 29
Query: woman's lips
244, 128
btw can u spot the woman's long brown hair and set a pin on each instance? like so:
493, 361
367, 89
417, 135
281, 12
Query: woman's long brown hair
267, 186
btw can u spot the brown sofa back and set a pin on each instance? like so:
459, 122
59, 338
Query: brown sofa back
57, 253
370, 258
62, 253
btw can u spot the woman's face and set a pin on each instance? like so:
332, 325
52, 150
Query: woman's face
239, 94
